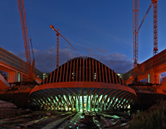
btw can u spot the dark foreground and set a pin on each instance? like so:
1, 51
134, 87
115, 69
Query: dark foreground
67, 120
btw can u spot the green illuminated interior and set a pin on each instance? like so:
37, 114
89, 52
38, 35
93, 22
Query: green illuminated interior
81, 103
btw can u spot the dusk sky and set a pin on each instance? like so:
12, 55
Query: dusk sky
101, 29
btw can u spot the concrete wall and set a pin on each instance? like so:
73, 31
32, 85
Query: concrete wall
14, 65
146, 68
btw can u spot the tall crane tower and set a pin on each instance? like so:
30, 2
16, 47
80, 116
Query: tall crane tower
135, 37
155, 40
57, 33
136, 29
25, 37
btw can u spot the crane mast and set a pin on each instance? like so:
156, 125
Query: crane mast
57, 33
136, 29
25, 36
155, 41
135, 37
57, 47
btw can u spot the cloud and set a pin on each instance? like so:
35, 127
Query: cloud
45, 60
101, 50
118, 65
117, 62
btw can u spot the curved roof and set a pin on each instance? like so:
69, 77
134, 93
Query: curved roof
83, 69
82, 83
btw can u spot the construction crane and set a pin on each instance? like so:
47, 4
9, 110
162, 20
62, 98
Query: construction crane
135, 37
136, 29
155, 41
25, 38
57, 33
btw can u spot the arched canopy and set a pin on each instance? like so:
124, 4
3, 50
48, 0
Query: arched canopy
82, 84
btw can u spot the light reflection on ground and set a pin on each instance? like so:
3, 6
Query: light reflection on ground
67, 120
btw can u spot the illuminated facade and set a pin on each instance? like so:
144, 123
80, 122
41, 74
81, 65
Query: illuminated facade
82, 84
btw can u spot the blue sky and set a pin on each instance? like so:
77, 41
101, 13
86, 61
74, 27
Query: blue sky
101, 29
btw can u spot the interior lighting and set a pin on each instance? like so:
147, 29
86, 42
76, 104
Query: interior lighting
128, 107
94, 75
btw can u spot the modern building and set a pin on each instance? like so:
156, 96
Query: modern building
82, 84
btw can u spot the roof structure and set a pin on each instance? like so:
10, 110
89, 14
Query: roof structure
81, 84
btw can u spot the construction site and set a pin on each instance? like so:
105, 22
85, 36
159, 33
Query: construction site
83, 92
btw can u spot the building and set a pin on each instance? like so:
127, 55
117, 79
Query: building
15, 67
82, 84
146, 69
